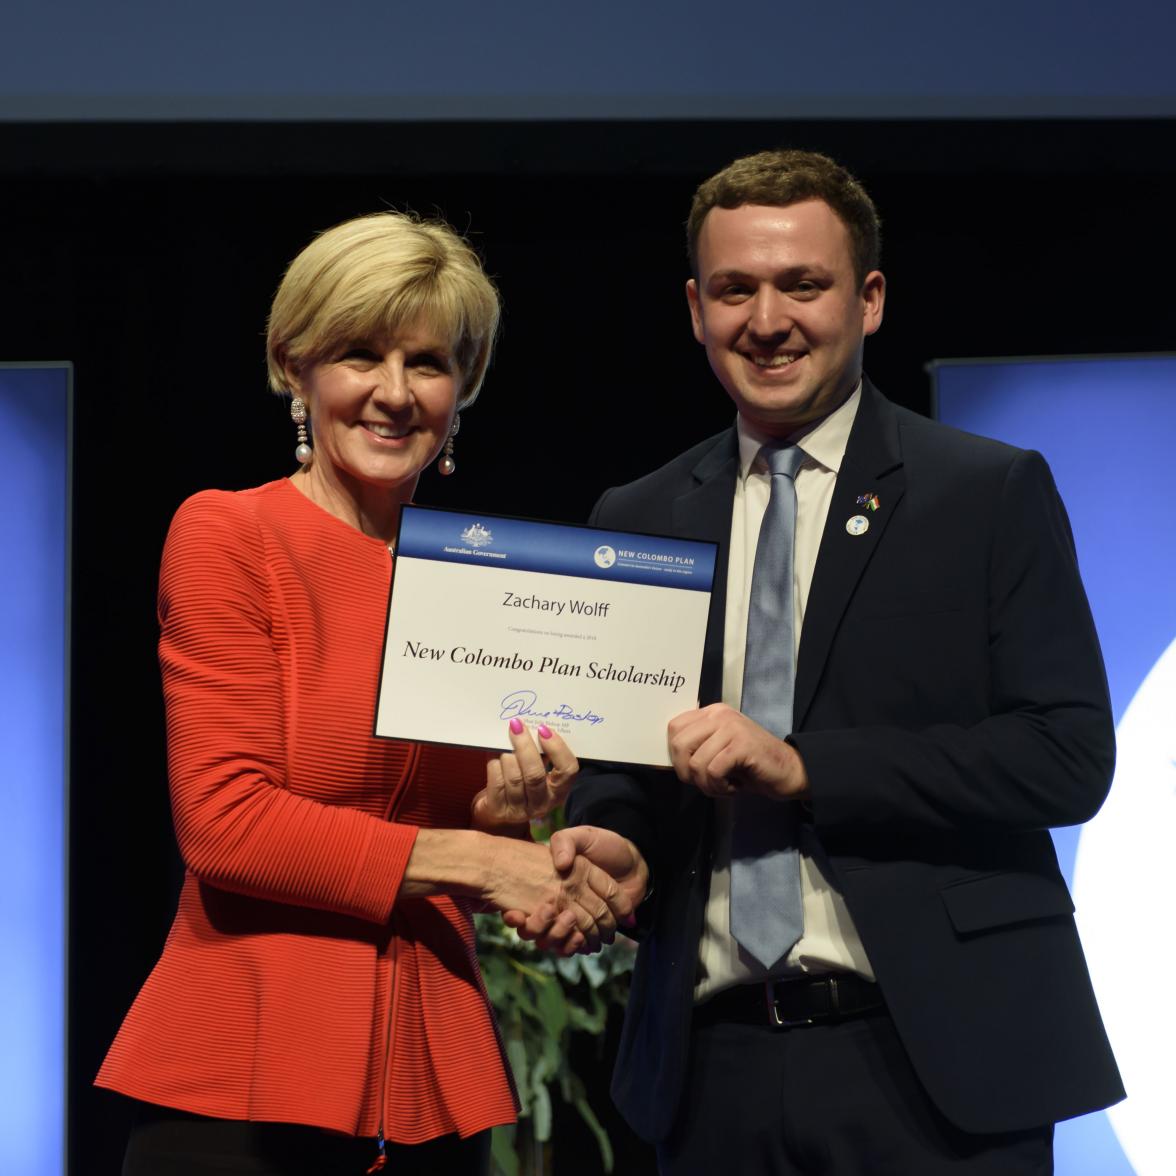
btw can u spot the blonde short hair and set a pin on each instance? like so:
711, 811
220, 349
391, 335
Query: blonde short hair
365, 278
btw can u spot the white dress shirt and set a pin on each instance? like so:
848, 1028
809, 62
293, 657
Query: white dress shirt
830, 941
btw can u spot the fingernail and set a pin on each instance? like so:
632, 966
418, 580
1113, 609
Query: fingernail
544, 731
516, 726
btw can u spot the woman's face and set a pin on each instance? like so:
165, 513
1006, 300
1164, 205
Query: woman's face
381, 410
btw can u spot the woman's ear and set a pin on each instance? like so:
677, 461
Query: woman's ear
290, 370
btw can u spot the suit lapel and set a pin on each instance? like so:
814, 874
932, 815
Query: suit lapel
872, 465
704, 512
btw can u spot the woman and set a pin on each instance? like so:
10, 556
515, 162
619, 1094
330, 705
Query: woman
320, 981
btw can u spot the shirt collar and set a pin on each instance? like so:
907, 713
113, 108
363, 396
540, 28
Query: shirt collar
824, 443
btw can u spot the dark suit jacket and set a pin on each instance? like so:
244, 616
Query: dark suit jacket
951, 707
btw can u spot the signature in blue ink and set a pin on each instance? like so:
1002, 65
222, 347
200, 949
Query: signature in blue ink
520, 704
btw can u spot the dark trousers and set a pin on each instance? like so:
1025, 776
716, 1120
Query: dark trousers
833, 1099
165, 1142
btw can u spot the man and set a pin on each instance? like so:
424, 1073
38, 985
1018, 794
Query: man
857, 952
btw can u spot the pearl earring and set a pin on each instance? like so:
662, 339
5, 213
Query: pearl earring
298, 415
447, 465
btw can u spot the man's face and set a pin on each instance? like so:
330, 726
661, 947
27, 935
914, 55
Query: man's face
779, 311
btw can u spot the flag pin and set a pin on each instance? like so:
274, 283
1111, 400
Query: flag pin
869, 500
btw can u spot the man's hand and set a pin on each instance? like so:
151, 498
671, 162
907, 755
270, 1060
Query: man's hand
721, 752
619, 860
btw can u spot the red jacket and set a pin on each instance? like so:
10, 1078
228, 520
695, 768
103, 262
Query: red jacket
293, 987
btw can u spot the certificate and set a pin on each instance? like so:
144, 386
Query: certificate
598, 634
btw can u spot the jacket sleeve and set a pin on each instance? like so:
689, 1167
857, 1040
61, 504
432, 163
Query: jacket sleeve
1042, 753
630, 801
238, 826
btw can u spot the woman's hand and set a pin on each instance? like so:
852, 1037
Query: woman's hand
525, 784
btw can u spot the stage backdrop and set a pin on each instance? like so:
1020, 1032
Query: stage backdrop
465, 59
1107, 426
34, 546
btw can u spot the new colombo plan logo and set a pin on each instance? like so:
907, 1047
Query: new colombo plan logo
604, 556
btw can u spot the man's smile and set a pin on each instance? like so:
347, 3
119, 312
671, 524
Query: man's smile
772, 361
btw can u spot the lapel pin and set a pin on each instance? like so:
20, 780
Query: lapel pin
858, 525
869, 500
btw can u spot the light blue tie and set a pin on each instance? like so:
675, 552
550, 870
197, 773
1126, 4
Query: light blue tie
766, 913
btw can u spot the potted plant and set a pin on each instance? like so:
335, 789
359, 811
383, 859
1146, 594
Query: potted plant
542, 1001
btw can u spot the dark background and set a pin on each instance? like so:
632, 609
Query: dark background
147, 255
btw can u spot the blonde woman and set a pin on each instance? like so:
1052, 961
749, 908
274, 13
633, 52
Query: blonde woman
318, 1006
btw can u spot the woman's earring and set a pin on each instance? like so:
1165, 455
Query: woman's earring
447, 465
298, 415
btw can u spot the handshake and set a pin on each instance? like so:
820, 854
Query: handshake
573, 894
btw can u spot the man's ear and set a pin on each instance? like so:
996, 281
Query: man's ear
692, 298
873, 300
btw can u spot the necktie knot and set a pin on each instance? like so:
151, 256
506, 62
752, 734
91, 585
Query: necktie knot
783, 459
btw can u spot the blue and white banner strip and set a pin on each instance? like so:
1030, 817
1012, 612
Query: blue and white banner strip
556, 548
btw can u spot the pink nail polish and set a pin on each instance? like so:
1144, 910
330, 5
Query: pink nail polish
544, 731
516, 726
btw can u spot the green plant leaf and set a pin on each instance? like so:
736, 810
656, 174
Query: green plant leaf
591, 1016
533, 970
597, 1129
569, 968
496, 974
553, 1007
542, 1117
502, 1151
516, 1053
523, 998
547, 1061
596, 970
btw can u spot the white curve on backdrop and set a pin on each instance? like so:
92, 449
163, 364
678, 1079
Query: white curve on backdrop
1125, 892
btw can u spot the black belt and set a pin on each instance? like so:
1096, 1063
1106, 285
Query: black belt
787, 1004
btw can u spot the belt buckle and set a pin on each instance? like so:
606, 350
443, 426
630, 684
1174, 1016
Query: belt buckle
774, 1019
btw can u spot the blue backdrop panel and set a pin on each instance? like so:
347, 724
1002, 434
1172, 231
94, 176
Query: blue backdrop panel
1107, 426
465, 59
34, 406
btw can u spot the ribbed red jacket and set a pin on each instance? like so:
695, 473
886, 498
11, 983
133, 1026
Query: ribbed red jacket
293, 986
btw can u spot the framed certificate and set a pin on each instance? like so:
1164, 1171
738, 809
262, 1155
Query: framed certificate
598, 634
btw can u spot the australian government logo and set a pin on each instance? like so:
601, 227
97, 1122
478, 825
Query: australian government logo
475, 535
474, 539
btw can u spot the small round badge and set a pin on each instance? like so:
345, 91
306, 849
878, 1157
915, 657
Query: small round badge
858, 525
